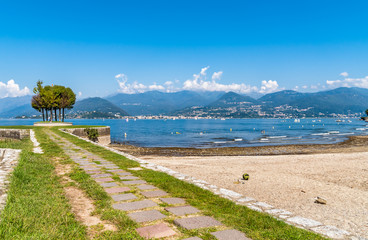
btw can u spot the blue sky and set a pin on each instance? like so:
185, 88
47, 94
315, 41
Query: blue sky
99, 48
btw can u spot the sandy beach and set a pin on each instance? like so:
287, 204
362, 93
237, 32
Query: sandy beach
292, 181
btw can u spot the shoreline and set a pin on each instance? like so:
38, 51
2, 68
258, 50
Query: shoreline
352, 144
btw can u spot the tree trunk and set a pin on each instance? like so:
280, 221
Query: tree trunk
47, 115
51, 114
60, 114
43, 114
55, 115
63, 114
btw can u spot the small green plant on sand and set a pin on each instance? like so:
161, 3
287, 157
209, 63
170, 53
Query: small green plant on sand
92, 134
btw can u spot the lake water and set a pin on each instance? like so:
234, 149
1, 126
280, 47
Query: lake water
209, 133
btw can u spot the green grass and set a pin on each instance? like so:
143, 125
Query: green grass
36, 206
256, 225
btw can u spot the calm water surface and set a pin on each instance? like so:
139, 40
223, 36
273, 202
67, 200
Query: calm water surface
208, 133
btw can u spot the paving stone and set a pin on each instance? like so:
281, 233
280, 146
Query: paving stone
124, 173
90, 168
117, 189
109, 184
331, 232
146, 187
135, 168
182, 210
156, 231
101, 175
108, 165
152, 194
134, 182
193, 238
123, 197
115, 170
230, 193
102, 162
94, 172
276, 212
230, 235
104, 179
87, 164
129, 178
173, 201
305, 222
130, 206
197, 222
146, 216
111, 167
263, 205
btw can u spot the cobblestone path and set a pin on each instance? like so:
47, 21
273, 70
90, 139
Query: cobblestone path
157, 213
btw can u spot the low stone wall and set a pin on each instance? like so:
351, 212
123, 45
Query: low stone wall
103, 134
17, 134
8, 160
52, 124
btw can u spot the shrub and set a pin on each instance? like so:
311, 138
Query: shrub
92, 134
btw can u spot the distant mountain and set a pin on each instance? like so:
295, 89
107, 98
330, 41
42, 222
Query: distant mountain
24, 110
16, 106
232, 99
155, 102
340, 100
9, 103
230, 105
284, 104
281, 97
96, 107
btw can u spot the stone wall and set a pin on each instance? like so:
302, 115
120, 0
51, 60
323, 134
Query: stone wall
17, 134
103, 134
8, 159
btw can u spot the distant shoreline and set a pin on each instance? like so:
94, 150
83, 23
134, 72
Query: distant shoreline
352, 144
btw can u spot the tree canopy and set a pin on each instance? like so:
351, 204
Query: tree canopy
49, 99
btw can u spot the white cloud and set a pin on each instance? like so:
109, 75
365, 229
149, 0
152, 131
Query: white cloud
79, 94
125, 87
216, 75
169, 85
122, 76
11, 89
156, 87
198, 82
269, 86
349, 82
204, 70
135, 87
344, 74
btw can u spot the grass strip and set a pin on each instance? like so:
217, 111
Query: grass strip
36, 206
256, 225
102, 201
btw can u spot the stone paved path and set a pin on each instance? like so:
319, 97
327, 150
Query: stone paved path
143, 202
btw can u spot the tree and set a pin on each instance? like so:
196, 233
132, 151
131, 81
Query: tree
366, 112
52, 98
38, 102
68, 100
